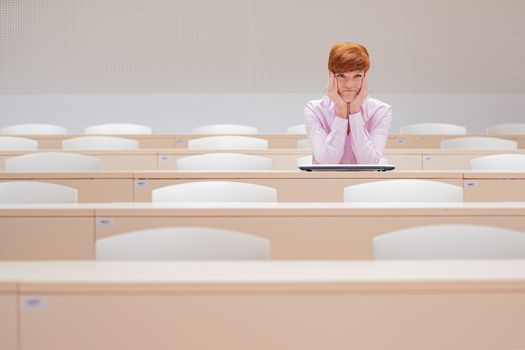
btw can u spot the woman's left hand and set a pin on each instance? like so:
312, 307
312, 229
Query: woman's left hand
355, 105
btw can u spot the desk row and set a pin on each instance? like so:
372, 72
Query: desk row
291, 186
262, 305
294, 230
272, 140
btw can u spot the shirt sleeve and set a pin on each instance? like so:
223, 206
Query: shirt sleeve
368, 145
327, 147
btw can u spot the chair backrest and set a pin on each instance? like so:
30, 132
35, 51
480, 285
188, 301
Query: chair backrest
118, 129
183, 243
403, 190
225, 129
33, 129
306, 160
224, 162
215, 191
451, 242
298, 129
36, 192
433, 129
499, 162
478, 143
303, 143
507, 129
99, 143
228, 142
10, 143
52, 161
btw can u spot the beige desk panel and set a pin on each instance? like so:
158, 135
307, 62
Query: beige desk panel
434, 141
295, 319
111, 160
487, 190
456, 159
40, 238
304, 237
8, 321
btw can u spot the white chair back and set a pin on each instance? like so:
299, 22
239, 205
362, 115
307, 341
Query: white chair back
215, 191
52, 161
33, 129
433, 129
118, 129
224, 162
228, 142
299, 129
10, 143
306, 160
499, 162
451, 242
478, 143
99, 143
183, 243
403, 190
225, 129
36, 192
507, 129
303, 144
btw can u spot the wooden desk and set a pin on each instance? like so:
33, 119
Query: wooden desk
292, 186
295, 230
434, 141
447, 159
112, 160
92, 186
494, 186
11, 273
435, 305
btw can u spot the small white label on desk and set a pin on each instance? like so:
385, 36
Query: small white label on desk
401, 141
164, 158
427, 158
105, 222
32, 303
141, 183
471, 184
179, 141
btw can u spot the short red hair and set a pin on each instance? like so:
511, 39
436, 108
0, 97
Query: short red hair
348, 57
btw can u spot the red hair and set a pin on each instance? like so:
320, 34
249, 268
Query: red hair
348, 57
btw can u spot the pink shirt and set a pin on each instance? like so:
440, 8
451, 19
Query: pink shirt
333, 143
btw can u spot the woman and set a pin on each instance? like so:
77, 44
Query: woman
347, 126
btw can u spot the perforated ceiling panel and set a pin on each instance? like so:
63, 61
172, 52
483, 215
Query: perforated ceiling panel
254, 46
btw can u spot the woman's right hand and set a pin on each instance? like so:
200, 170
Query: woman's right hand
333, 93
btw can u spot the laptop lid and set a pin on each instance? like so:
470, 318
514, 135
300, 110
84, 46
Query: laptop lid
347, 167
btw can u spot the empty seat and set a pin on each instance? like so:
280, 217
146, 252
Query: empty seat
33, 129
99, 143
306, 160
224, 162
403, 190
227, 142
10, 143
36, 192
225, 129
298, 129
183, 243
507, 129
499, 162
303, 143
117, 129
433, 129
478, 143
215, 191
52, 161
451, 242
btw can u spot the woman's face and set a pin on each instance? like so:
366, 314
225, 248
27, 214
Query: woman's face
349, 84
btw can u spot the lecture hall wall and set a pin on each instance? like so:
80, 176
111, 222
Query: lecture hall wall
178, 64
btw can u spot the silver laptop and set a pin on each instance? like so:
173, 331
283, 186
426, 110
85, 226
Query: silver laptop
347, 167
